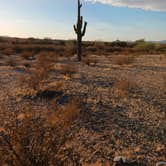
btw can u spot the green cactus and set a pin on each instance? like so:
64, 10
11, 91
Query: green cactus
80, 31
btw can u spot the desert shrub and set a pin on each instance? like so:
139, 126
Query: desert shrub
59, 49
59, 42
89, 60
37, 77
68, 69
64, 115
119, 43
91, 49
113, 49
34, 139
8, 51
2, 40
125, 85
124, 59
143, 46
27, 54
70, 49
17, 49
10, 61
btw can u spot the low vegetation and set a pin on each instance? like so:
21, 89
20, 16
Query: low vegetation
124, 59
57, 111
9, 46
35, 140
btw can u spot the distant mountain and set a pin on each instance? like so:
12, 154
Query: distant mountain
161, 42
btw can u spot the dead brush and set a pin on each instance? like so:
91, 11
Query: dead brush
124, 59
125, 86
89, 60
35, 139
68, 69
10, 61
27, 54
64, 116
36, 77
8, 51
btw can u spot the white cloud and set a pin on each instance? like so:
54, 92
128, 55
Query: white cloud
153, 5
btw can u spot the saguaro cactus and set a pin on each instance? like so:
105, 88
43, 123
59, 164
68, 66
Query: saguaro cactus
80, 31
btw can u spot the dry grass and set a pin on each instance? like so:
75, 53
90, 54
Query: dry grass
124, 59
10, 61
37, 77
36, 143
68, 69
125, 85
27, 54
90, 61
8, 51
63, 116
116, 118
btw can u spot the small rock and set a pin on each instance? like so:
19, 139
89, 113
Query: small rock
120, 161
120, 158
161, 163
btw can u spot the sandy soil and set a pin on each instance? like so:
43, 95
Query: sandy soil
112, 122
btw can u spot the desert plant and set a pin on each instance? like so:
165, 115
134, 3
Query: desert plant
124, 59
89, 60
34, 139
143, 46
27, 54
8, 51
36, 78
68, 69
78, 30
10, 61
125, 85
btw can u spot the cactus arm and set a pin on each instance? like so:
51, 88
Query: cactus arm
79, 4
84, 30
75, 29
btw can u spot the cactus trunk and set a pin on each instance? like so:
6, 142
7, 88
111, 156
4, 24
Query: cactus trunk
79, 31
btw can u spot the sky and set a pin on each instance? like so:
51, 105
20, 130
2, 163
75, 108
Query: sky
108, 20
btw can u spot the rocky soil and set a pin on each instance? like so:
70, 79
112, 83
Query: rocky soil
115, 119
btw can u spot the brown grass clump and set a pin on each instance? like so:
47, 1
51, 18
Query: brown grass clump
8, 51
68, 69
36, 140
125, 85
90, 61
124, 60
10, 61
37, 77
64, 116
27, 54
53, 86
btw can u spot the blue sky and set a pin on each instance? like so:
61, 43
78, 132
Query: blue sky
107, 19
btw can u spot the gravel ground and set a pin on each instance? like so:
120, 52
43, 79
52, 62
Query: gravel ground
113, 122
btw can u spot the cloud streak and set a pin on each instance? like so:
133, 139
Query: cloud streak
152, 5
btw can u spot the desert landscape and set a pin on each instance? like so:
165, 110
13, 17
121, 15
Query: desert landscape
82, 103
58, 111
